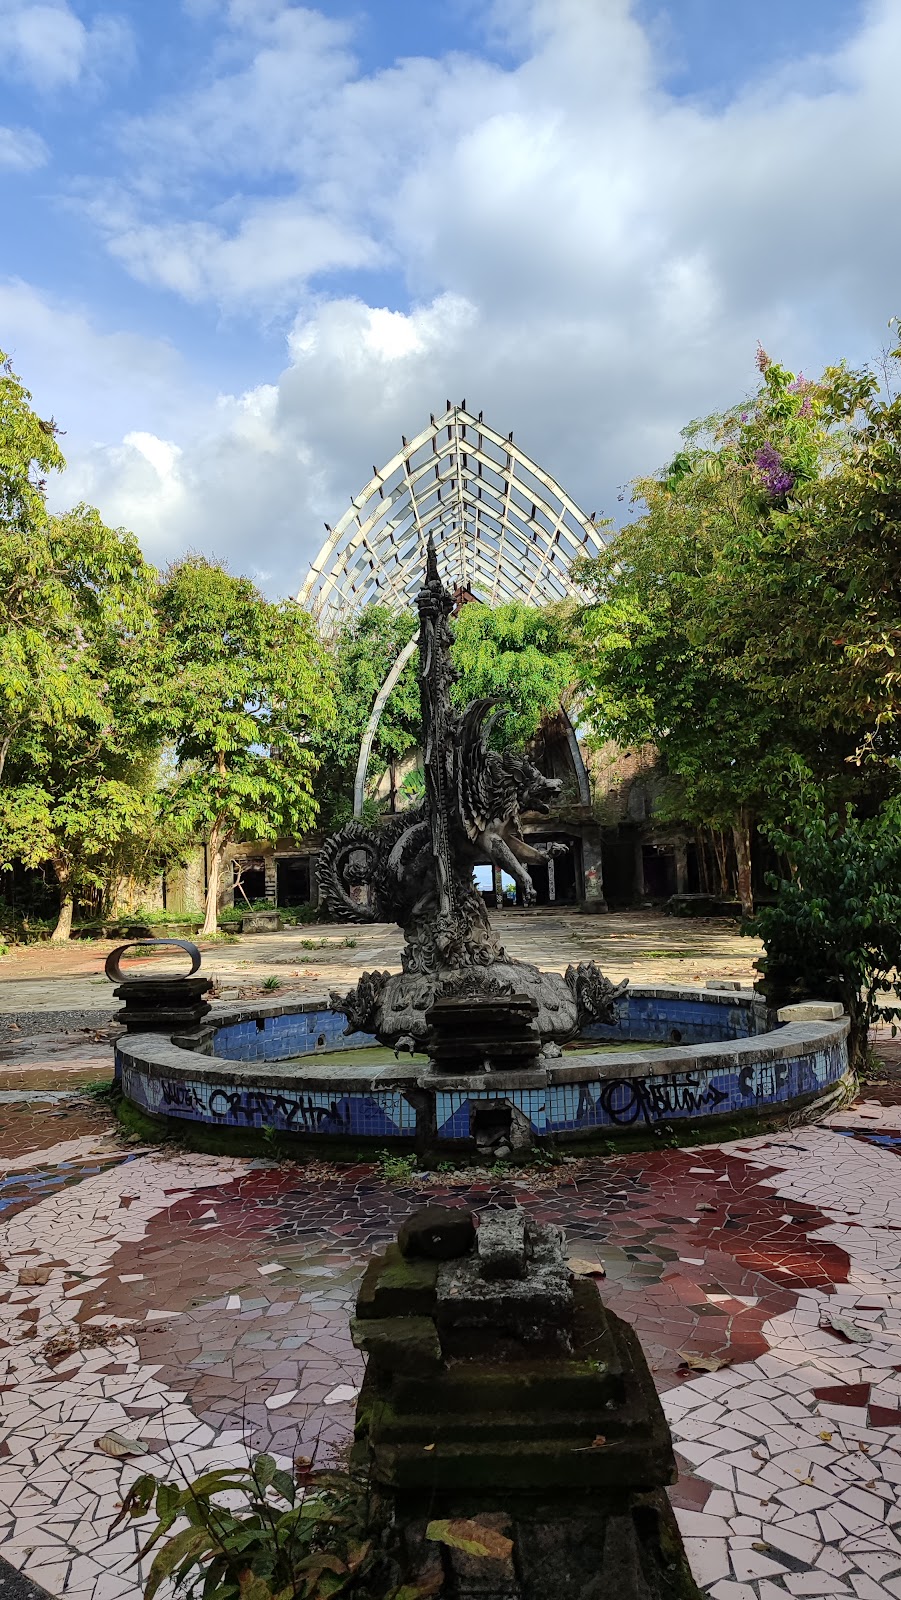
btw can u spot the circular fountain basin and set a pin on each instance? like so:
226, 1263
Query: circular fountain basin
676, 1061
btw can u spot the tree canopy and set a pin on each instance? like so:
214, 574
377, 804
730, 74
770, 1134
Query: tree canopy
245, 688
526, 655
725, 626
76, 736
363, 652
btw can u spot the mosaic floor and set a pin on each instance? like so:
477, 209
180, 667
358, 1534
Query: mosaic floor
200, 1304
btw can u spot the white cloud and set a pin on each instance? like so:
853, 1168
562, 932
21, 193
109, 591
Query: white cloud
278, 246
46, 45
586, 258
21, 150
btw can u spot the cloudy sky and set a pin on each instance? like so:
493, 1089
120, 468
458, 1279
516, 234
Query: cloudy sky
245, 244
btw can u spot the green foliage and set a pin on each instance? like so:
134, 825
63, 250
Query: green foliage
394, 1168
245, 686
524, 654
309, 1536
834, 932
363, 652
272, 983
710, 634
77, 738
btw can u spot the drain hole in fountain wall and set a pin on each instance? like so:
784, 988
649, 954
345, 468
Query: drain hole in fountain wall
491, 1127
675, 1035
320, 1041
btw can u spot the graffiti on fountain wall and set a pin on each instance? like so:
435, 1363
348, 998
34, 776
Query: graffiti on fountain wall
302, 1112
623, 1102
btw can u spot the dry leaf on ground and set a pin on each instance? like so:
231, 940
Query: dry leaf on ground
117, 1446
473, 1538
696, 1361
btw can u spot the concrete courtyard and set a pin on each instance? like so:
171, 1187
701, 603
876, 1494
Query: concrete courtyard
198, 1304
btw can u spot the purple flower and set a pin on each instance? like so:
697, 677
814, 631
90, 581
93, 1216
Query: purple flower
806, 407
777, 479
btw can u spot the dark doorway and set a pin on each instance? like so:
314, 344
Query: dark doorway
249, 879
539, 875
566, 872
659, 872
292, 880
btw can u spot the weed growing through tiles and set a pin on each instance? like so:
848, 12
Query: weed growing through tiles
306, 1535
395, 1169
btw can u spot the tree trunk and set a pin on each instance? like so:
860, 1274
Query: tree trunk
703, 874
392, 788
741, 838
4, 750
215, 847
718, 840
63, 930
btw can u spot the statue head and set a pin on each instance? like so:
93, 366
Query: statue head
534, 792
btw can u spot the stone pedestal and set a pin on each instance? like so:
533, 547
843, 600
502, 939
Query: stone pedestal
479, 1033
164, 1004
499, 1391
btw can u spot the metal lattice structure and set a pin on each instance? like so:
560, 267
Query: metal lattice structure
503, 528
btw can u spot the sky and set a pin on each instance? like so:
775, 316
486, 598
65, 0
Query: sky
247, 244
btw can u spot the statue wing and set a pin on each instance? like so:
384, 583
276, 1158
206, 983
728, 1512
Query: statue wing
477, 795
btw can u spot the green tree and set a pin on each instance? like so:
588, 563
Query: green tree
363, 652
247, 687
695, 640
524, 654
75, 736
834, 931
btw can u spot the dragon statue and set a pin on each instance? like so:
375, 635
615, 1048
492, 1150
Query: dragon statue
417, 870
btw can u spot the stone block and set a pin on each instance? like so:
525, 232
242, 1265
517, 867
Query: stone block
398, 1286
811, 1011
399, 1344
261, 922
440, 1233
533, 1310
501, 1244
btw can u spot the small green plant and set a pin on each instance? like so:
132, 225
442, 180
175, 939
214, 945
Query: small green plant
501, 1169
395, 1169
272, 983
307, 1536
447, 1166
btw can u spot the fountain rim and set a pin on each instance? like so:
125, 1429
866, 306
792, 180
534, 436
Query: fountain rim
184, 1055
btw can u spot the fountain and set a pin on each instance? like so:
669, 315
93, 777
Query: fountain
482, 1056
459, 996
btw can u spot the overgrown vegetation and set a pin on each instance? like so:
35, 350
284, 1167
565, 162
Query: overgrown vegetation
282, 1536
835, 929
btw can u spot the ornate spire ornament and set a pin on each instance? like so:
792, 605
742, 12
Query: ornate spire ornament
459, 995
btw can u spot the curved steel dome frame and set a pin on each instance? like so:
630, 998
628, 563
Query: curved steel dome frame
503, 528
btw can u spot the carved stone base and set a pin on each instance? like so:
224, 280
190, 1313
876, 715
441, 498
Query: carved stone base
499, 1392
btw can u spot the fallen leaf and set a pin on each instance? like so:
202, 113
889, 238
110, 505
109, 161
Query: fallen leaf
826, 1437
462, 1533
844, 1327
703, 1205
586, 1269
428, 1447
116, 1445
759, 1456
697, 1362
601, 1439
34, 1275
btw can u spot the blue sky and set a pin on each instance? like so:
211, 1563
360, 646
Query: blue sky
247, 244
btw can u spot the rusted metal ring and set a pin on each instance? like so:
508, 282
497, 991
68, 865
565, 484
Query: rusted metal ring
116, 975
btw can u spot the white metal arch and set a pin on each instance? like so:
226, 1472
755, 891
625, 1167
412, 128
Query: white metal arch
503, 528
